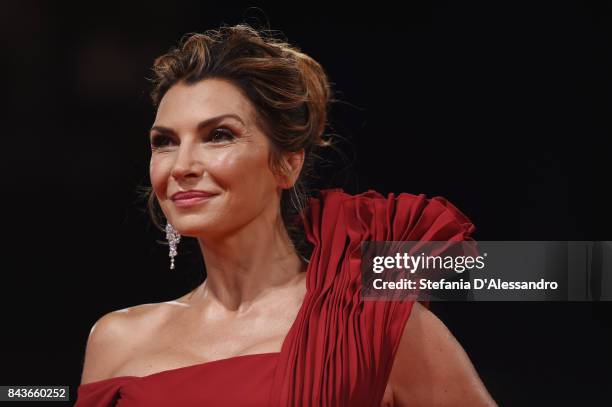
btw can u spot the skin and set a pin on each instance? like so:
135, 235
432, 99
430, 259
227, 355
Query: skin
255, 277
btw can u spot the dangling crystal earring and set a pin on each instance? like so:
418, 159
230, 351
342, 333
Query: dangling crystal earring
173, 238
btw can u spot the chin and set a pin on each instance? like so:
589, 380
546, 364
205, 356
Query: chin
192, 229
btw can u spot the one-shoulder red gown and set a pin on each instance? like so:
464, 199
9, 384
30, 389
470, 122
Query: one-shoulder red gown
340, 349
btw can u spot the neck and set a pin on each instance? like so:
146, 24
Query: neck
249, 264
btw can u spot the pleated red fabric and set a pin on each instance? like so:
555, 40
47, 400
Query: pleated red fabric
340, 349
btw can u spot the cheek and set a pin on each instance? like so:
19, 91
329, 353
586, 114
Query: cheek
241, 169
158, 173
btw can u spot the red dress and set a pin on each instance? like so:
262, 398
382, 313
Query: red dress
340, 349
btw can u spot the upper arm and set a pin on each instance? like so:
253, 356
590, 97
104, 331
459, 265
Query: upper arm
103, 353
432, 369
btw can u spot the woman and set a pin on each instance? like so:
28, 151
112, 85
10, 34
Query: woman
239, 117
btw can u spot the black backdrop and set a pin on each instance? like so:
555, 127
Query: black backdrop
501, 107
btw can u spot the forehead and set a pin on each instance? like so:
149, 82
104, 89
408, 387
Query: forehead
183, 104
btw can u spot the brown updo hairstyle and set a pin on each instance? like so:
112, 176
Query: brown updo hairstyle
290, 91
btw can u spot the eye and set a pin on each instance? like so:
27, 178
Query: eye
221, 133
160, 140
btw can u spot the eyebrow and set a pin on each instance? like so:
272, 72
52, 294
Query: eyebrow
202, 124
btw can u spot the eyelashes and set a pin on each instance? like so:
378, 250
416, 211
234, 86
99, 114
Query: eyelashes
217, 136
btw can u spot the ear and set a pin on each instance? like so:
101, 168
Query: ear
292, 163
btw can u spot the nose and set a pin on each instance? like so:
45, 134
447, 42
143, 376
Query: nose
187, 163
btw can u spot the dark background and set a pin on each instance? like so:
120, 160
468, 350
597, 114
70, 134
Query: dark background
501, 107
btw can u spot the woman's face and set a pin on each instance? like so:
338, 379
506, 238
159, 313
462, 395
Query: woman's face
193, 147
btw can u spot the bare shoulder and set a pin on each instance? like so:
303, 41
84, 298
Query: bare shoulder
115, 336
432, 368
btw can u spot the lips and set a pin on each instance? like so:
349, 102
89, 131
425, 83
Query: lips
190, 195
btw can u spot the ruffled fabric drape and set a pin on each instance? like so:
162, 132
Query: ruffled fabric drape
341, 351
